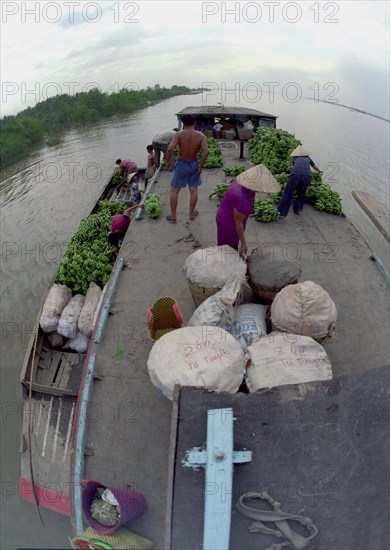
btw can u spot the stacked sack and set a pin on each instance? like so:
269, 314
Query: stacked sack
69, 321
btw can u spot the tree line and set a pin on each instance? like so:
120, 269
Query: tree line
47, 121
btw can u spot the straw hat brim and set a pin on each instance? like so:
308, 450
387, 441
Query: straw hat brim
259, 179
300, 152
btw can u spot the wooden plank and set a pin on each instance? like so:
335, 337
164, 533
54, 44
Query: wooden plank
51, 373
67, 366
378, 213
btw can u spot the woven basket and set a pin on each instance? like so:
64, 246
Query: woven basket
200, 293
244, 134
131, 505
121, 540
164, 316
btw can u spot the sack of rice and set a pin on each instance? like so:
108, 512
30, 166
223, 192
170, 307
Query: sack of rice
67, 325
268, 277
86, 319
280, 359
218, 310
304, 308
249, 323
208, 269
205, 356
58, 297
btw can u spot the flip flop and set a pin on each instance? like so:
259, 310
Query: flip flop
170, 219
196, 214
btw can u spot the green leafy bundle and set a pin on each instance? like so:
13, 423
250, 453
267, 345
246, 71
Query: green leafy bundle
220, 190
214, 158
265, 211
235, 170
89, 256
116, 178
153, 206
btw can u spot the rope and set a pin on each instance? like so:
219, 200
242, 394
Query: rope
280, 519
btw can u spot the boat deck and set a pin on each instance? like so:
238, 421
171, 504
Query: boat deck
128, 435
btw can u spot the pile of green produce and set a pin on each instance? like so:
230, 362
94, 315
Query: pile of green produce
116, 178
89, 256
272, 147
214, 158
265, 211
153, 206
235, 170
220, 190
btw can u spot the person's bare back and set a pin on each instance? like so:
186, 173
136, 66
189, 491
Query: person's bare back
189, 142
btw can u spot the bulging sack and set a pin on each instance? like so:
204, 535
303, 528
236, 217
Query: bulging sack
86, 318
304, 308
281, 358
213, 266
58, 297
205, 356
249, 323
218, 310
67, 325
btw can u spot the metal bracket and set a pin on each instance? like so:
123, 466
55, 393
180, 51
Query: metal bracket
218, 460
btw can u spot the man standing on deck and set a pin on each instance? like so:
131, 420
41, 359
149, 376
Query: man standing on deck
160, 144
187, 168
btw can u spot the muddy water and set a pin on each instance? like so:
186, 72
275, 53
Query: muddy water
44, 198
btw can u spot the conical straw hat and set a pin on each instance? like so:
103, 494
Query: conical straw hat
300, 152
258, 178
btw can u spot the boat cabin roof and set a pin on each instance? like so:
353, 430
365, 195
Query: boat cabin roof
223, 111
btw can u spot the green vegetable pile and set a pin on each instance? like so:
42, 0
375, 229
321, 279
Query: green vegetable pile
89, 256
116, 178
220, 190
153, 206
235, 170
265, 211
272, 147
214, 158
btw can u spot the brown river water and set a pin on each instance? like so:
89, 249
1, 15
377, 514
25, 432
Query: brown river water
44, 198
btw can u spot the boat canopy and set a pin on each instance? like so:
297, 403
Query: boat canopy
234, 117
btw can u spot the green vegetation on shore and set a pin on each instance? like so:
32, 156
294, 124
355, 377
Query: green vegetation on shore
48, 120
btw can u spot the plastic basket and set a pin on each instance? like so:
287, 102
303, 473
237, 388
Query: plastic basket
244, 134
131, 505
164, 316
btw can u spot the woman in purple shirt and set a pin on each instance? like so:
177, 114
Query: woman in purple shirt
235, 208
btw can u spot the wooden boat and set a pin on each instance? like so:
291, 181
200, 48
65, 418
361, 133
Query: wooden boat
126, 434
53, 377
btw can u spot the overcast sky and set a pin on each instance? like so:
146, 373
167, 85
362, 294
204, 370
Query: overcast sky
335, 51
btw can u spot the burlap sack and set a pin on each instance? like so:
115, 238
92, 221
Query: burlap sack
304, 308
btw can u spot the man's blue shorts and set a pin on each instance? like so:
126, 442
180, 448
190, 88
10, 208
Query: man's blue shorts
184, 173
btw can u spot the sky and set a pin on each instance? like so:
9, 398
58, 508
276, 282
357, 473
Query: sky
332, 51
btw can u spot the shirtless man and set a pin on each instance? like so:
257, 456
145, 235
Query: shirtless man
187, 168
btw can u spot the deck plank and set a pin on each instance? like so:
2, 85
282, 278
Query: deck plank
377, 212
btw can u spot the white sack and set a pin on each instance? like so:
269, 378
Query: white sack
80, 343
249, 323
213, 266
304, 308
197, 356
67, 325
280, 359
85, 322
218, 309
58, 297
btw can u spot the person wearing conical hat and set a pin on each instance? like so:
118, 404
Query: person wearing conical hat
237, 204
298, 181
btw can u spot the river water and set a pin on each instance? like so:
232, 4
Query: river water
44, 198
